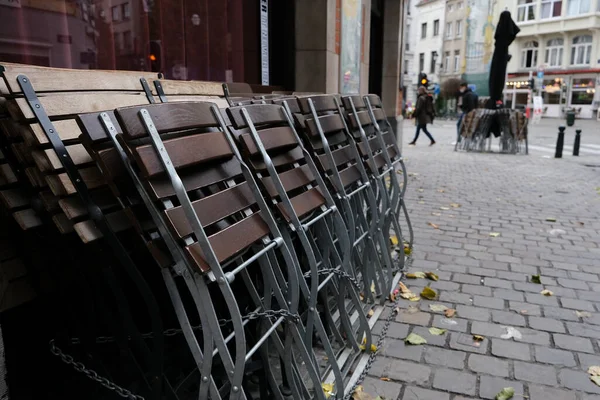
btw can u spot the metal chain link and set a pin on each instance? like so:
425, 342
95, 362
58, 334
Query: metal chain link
342, 274
91, 374
382, 336
274, 314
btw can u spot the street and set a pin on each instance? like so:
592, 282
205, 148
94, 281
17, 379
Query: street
488, 225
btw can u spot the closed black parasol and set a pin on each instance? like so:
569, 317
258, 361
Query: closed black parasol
506, 31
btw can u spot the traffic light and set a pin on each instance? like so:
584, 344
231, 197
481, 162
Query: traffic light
532, 84
423, 81
155, 56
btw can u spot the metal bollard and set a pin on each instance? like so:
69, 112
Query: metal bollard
560, 142
577, 142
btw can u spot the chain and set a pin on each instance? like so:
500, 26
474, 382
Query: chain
382, 336
91, 374
274, 314
342, 274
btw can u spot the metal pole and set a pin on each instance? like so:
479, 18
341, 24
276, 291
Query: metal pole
560, 142
577, 142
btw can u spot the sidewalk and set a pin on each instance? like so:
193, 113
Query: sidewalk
542, 346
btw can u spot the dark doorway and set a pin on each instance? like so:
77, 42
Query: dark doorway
376, 46
282, 47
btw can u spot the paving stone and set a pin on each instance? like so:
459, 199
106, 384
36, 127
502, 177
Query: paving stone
464, 278
482, 271
454, 297
377, 387
432, 340
584, 277
445, 285
488, 365
535, 373
557, 273
575, 343
560, 291
509, 349
554, 356
397, 331
508, 318
499, 266
587, 360
453, 268
572, 283
469, 262
418, 318
476, 289
455, 381
560, 313
488, 302
580, 305
487, 329
509, 295
546, 324
585, 330
528, 287
512, 276
415, 393
445, 358
534, 337
451, 324
525, 269
537, 392
498, 283
465, 342
537, 298
524, 308
398, 349
588, 295
476, 313
398, 370
577, 380
490, 386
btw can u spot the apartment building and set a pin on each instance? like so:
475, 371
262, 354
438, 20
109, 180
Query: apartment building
560, 40
424, 47
453, 62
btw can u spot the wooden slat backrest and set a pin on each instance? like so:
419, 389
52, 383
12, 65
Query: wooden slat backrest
292, 103
374, 100
190, 88
273, 139
260, 114
238, 87
320, 103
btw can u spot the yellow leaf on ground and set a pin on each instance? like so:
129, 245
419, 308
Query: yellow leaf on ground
444, 208
403, 288
327, 389
407, 250
551, 219
441, 190
594, 370
595, 379
455, 205
409, 296
583, 314
438, 307
434, 226
370, 313
385, 379
415, 339
478, 338
428, 293
416, 275
449, 313
436, 331
373, 287
505, 394
394, 240
436, 214
547, 292
431, 276
494, 234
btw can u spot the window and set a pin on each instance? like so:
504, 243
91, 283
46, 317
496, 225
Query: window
407, 45
127, 40
529, 55
576, 7
406, 66
460, 5
433, 60
582, 91
436, 27
450, 7
551, 91
448, 30
551, 9
458, 29
456, 60
424, 30
408, 7
447, 61
116, 13
126, 10
421, 62
554, 52
526, 10
581, 51
118, 43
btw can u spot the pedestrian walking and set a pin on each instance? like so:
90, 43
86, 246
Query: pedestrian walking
424, 114
467, 102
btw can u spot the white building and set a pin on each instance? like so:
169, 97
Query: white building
562, 38
424, 45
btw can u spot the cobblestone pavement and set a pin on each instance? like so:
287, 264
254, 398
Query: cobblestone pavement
539, 345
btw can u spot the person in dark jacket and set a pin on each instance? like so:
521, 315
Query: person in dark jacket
423, 114
468, 101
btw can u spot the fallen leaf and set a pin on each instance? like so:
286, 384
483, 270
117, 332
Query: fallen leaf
428, 293
416, 275
438, 308
505, 394
512, 333
494, 234
551, 219
444, 208
373, 287
410, 296
455, 205
421, 202
370, 313
436, 214
415, 339
431, 276
327, 389
596, 380
363, 348
420, 190
441, 190
594, 370
524, 311
385, 379
434, 226
394, 240
449, 313
583, 314
407, 250
535, 279
437, 331
403, 288
478, 338
547, 292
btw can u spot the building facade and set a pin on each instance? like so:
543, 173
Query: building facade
559, 44
453, 61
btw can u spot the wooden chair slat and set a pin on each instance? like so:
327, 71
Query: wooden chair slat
340, 156
49, 200
271, 138
304, 203
231, 240
166, 117
212, 208
287, 158
61, 185
238, 87
359, 102
219, 102
321, 103
374, 100
36, 178
47, 160
67, 131
184, 152
292, 179
350, 175
259, 114
379, 115
89, 232
73, 208
91, 125
14, 198
27, 219
205, 88
7, 174
363, 119
63, 224
329, 123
